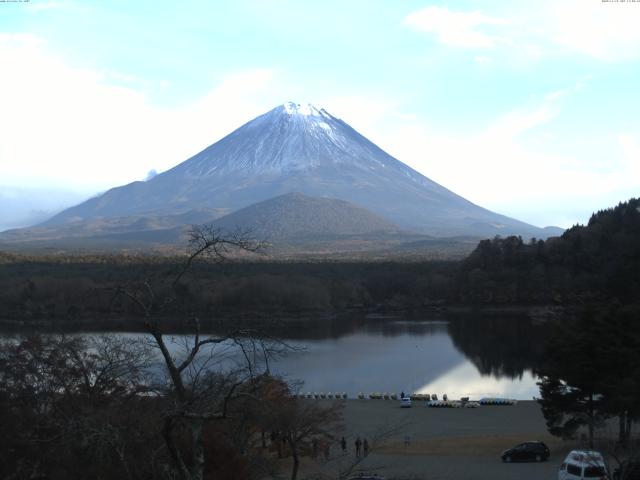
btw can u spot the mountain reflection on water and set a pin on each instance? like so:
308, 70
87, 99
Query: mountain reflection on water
499, 346
473, 357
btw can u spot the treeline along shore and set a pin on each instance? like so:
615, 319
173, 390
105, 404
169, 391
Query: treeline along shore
595, 263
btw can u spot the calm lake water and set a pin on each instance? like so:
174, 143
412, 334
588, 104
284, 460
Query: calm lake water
395, 356
473, 357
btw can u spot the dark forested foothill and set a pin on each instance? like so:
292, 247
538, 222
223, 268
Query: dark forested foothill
592, 263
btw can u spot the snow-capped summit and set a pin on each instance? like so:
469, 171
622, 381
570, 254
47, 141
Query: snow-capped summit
291, 137
305, 109
301, 148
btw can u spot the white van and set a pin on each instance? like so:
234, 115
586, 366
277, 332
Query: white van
584, 465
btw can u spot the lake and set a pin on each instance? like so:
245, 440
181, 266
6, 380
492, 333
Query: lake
470, 357
417, 356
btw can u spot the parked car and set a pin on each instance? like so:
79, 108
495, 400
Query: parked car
533, 451
584, 464
405, 402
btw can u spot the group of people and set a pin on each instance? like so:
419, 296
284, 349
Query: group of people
362, 446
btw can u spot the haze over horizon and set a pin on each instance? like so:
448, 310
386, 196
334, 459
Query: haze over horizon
528, 110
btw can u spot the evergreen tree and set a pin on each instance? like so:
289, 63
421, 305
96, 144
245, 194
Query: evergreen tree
591, 372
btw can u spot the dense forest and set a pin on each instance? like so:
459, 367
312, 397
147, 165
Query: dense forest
586, 264
57, 290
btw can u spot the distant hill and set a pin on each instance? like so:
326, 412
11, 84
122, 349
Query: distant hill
300, 148
111, 232
295, 215
295, 226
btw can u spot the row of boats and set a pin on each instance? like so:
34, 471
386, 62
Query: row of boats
337, 395
433, 399
430, 399
470, 404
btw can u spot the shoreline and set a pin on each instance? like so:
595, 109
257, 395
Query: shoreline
537, 313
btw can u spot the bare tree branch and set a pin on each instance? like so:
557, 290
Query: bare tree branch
217, 244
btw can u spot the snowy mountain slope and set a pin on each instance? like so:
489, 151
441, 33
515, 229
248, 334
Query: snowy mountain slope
303, 149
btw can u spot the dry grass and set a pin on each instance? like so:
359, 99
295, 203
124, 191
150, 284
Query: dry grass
466, 446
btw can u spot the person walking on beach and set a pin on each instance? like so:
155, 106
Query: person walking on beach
365, 447
407, 440
343, 445
358, 444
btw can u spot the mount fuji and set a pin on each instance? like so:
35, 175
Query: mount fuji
297, 148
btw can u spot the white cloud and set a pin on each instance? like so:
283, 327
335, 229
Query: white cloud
607, 31
630, 160
513, 123
509, 165
482, 60
360, 111
72, 126
493, 154
459, 29
604, 30
555, 95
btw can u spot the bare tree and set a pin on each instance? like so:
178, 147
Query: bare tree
300, 423
197, 393
72, 406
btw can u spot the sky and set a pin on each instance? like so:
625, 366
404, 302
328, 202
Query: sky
530, 109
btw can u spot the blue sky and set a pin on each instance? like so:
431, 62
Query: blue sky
527, 108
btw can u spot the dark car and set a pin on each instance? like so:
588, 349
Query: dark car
527, 452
